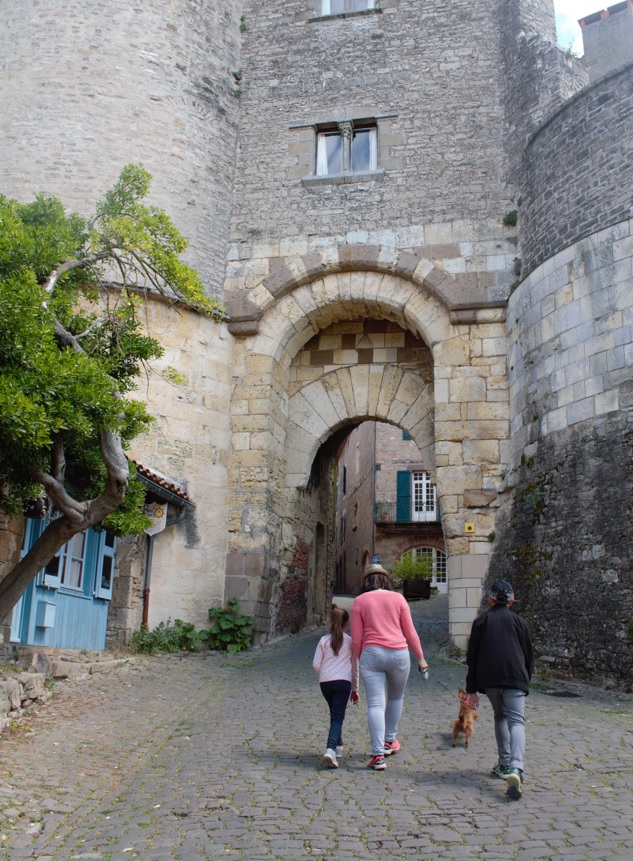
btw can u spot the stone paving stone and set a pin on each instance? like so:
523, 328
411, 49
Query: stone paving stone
153, 782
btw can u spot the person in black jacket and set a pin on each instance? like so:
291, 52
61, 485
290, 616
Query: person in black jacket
500, 664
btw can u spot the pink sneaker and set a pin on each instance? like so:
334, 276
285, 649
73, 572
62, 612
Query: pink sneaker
392, 747
377, 763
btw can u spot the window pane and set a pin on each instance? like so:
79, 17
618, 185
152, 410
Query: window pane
440, 566
106, 573
73, 571
329, 153
334, 7
363, 150
357, 5
74, 580
52, 568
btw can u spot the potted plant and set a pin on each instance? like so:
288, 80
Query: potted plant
414, 572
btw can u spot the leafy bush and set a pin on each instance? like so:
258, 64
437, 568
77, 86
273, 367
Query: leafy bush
230, 631
179, 637
629, 631
412, 567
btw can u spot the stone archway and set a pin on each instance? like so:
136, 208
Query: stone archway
280, 422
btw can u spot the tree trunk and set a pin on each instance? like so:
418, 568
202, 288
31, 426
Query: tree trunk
14, 585
77, 516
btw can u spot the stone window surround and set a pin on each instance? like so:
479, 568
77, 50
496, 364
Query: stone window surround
342, 119
317, 17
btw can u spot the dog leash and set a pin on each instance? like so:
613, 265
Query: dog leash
449, 691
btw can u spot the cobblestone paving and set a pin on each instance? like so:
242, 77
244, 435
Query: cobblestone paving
218, 757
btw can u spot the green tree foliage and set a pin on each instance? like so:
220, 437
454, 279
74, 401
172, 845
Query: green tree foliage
71, 348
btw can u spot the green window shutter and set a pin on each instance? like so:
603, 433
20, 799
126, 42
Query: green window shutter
403, 507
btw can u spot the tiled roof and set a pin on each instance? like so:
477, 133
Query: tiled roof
162, 481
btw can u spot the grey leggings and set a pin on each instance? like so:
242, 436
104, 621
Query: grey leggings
384, 673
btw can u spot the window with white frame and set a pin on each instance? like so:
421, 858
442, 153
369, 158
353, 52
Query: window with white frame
423, 507
347, 148
338, 7
66, 568
438, 559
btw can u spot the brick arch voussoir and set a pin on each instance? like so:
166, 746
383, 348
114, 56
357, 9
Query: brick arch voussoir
246, 308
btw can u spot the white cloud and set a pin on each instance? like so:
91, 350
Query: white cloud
567, 14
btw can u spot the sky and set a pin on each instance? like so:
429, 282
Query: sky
567, 14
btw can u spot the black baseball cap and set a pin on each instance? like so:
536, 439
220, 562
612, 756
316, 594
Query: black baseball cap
502, 591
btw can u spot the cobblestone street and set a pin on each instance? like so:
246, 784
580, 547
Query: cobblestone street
216, 756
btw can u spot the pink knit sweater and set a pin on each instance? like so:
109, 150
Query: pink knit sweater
383, 618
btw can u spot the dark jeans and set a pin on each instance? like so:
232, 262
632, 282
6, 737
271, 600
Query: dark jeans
336, 694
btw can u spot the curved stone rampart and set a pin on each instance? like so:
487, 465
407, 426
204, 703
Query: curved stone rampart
576, 169
566, 542
88, 88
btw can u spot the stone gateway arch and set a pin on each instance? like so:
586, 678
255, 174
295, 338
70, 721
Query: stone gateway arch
479, 214
452, 399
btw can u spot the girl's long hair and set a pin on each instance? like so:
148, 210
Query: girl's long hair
338, 620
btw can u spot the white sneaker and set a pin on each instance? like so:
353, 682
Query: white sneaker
329, 758
339, 750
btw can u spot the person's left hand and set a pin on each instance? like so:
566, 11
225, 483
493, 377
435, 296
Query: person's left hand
354, 697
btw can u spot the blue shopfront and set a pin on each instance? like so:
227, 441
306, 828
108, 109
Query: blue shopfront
66, 606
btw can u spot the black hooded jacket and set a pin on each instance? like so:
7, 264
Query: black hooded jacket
499, 652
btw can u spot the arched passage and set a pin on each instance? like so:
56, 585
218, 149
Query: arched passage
285, 413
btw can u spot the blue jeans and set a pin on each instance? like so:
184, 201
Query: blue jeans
336, 695
384, 673
508, 706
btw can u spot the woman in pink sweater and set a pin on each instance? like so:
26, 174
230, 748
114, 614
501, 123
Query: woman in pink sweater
381, 628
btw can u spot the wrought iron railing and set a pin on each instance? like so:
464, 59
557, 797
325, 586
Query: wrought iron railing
396, 512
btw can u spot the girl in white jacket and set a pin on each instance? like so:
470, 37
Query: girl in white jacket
337, 666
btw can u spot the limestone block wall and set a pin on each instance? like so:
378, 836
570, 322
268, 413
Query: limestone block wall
190, 442
88, 88
460, 422
576, 169
566, 540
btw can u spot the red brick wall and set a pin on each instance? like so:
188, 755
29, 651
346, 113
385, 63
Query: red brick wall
292, 613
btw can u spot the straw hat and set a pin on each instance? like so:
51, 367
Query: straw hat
375, 569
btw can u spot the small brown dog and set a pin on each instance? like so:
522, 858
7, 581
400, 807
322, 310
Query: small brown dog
466, 721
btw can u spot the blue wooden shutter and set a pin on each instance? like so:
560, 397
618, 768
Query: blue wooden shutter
403, 507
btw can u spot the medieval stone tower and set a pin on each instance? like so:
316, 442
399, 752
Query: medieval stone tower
354, 176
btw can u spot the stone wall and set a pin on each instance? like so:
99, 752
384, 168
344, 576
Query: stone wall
354, 512
92, 87
566, 539
190, 442
11, 532
412, 65
538, 76
576, 169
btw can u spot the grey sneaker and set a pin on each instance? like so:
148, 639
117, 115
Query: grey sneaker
339, 750
514, 781
329, 758
501, 771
